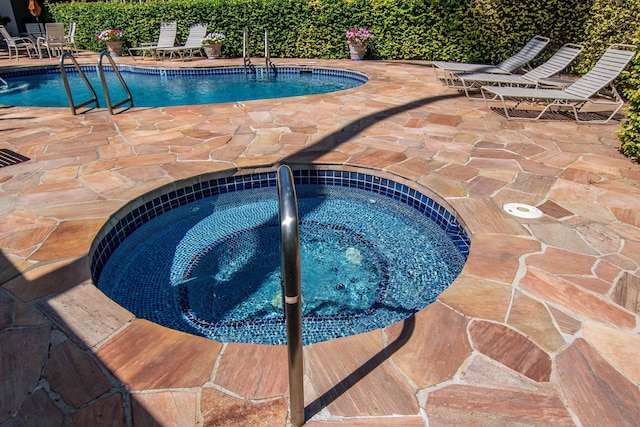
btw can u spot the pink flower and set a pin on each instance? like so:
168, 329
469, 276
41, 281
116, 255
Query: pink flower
109, 36
358, 35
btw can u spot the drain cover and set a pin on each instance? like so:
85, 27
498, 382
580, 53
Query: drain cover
8, 158
522, 211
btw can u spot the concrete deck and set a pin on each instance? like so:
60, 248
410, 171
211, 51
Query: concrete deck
541, 327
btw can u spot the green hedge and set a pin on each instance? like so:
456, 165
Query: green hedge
630, 130
459, 30
463, 30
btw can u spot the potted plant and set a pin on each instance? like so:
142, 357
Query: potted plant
358, 38
113, 40
212, 44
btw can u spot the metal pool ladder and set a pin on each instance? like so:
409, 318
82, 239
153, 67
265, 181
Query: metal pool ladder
290, 273
246, 56
94, 98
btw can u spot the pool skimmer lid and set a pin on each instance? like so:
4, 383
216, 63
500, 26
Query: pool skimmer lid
522, 211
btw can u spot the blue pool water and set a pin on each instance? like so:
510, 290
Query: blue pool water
158, 88
211, 267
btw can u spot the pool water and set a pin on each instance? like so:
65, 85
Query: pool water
212, 267
159, 89
341, 273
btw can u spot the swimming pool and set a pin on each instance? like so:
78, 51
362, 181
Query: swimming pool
204, 258
152, 87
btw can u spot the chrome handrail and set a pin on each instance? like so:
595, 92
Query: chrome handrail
65, 80
267, 54
103, 79
246, 56
290, 273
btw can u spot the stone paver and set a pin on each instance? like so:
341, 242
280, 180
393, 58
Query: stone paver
219, 409
462, 405
533, 319
74, 375
23, 354
512, 349
598, 393
263, 373
436, 347
165, 408
343, 374
539, 329
160, 358
38, 409
106, 412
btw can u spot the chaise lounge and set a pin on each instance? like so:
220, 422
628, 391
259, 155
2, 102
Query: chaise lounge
536, 77
197, 32
585, 90
526, 54
167, 38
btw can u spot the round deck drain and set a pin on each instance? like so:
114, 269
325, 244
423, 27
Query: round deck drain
522, 211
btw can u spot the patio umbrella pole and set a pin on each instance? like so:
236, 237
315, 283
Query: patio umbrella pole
36, 10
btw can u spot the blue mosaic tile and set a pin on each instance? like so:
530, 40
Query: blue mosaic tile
166, 202
124, 68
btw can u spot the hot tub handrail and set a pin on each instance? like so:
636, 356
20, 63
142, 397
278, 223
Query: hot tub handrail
65, 80
105, 88
290, 273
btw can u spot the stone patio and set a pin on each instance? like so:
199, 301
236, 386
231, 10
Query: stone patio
540, 328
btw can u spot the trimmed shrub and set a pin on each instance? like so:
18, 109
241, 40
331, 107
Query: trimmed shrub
630, 130
461, 30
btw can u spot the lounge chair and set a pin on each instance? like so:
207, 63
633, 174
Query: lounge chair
167, 38
526, 54
536, 77
17, 43
70, 38
574, 97
54, 39
193, 44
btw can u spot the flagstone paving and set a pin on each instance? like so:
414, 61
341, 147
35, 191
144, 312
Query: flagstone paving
540, 328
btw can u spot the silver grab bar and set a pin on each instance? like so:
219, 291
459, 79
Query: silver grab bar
65, 80
103, 79
267, 54
290, 272
246, 56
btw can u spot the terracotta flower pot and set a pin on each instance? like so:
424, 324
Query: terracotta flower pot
212, 50
115, 48
357, 51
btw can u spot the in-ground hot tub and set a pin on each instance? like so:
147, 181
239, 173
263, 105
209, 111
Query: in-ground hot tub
202, 256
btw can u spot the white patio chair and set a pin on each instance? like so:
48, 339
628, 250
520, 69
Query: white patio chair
197, 32
54, 39
585, 90
70, 38
509, 65
167, 38
17, 44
